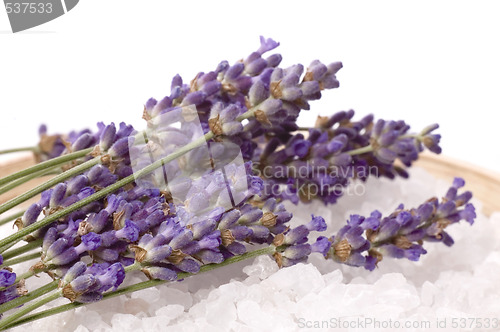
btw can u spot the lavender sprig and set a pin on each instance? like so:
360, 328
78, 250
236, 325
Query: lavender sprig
364, 241
117, 210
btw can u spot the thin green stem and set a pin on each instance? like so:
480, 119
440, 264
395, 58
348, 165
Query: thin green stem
28, 297
103, 192
362, 150
142, 285
27, 178
29, 148
8, 219
21, 250
44, 165
21, 259
44, 186
23, 311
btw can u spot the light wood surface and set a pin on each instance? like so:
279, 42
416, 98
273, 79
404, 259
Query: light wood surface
484, 184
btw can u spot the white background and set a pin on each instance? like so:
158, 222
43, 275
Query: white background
423, 62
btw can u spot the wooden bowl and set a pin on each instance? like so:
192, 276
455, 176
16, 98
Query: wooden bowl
484, 184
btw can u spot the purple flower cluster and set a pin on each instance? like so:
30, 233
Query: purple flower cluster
365, 241
335, 152
208, 205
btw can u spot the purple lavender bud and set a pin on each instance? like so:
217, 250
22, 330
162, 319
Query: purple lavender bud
370, 263
414, 252
74, 271
31, 214
95, 173
120, 148
203, 228
210, 241
98, 221
113, 202
299, 148
82, 142
297, 252
155, 218
446, 209
392, 251
316, 224
385, 155
56, 248
161, 273
108, 238
267, 45
128, 233
194, 98
222, 67
90, 241
76, 184
322, 245
58, 194
229, 218
258, 93
468, 213
388, 229
210, 256
274, 60
310, 88
45, 199
108, 136
157, 254
317, 70
256, 67
188, 265
249, 215
7, 278
241, 232
211, 88
49, 238
236, 248
259, 232
297, 235
270, 106
234, 71
181, 239
85, 192
83, 283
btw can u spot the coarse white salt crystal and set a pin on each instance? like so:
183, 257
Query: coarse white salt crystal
262, 267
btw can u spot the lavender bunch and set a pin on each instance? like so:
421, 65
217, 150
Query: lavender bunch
203, 186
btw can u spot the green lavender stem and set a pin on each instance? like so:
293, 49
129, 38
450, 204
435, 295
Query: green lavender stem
44, 165
27, 178
21, 250
28, 297
102, 193
52, 182
30, 148
21, 259
129, 289
23, 311
364, 149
